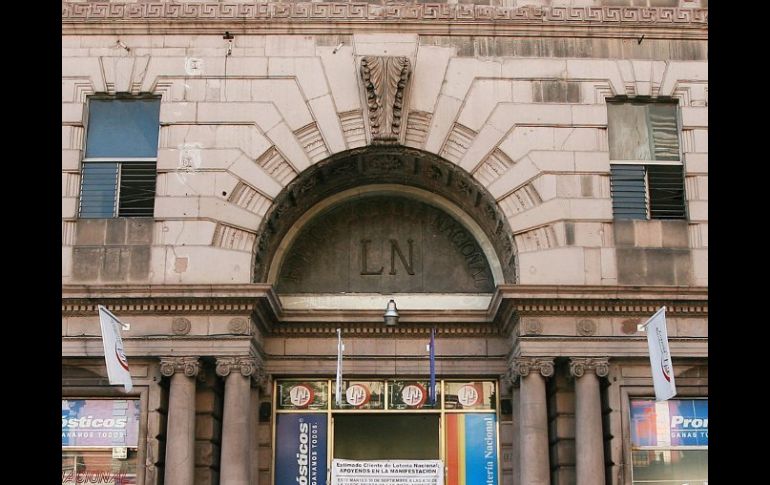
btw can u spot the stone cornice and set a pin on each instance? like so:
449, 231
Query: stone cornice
508, 303
345, 18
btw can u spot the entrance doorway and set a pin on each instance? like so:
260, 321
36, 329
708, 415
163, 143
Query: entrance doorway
386, 436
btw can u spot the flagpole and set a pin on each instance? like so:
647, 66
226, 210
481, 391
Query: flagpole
338, 384
432, 390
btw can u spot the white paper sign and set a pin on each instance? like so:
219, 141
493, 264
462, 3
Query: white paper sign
387, 472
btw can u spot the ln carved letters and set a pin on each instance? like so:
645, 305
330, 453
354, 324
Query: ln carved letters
385, 244
395, 249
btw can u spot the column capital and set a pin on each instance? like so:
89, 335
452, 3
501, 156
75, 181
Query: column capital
579, 365
247, 366
522, 366
190, 366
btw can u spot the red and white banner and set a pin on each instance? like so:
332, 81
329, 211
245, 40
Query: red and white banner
114, 356
660, 357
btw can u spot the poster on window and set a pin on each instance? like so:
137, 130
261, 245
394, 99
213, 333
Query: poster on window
676, 422
471, 449
387, 472
300, 449
100, 422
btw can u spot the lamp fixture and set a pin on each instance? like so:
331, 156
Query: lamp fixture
391, 314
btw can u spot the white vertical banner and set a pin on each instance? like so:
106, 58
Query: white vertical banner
660, 357
114, 356
338, 383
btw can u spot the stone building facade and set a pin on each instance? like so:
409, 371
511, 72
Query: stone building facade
527, 179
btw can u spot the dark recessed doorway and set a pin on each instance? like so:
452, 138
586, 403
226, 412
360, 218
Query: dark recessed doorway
386, 436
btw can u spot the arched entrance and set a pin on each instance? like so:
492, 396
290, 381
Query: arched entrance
342, 238
409, 173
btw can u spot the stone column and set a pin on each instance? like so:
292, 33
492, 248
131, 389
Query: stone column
180, 432
235, 464
516, 432
533, 413
589, 438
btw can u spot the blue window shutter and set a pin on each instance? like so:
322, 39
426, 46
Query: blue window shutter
123, 128
629, 196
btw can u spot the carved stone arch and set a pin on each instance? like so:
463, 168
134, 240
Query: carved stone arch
393, 170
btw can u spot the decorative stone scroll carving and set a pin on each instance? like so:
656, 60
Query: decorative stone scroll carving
586, 327
579, 365
170, 365
238, 325
385, 81
247, 366
522, 366
181, 326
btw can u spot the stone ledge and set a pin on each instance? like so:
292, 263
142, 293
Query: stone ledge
316, 17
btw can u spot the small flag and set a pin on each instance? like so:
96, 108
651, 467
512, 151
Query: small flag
338, 384
660, 357
432, 389
114, 356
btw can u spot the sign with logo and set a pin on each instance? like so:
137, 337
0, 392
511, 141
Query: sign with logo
468, 396
302, 395
676, 422
412, 395
471, 449
100, 422
387, 472
357, 395
300, 449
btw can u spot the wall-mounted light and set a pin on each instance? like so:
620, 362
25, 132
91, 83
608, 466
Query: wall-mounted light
391, 314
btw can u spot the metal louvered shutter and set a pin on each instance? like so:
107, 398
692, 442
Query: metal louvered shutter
666, 191
137, 189
629, 197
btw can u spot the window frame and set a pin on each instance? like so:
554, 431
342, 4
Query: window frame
120, 161
679, 162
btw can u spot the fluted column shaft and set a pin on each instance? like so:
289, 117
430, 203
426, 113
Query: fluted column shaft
533, 427
235, 463
589, 438
180, 432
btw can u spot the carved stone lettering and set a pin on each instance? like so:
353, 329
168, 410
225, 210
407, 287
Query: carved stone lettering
364, 271
383, 243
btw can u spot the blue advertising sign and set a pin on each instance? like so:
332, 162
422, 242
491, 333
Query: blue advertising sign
471, 449
300, 449
676, 422
100, 422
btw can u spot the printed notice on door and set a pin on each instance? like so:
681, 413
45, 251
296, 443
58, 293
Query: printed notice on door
387, 472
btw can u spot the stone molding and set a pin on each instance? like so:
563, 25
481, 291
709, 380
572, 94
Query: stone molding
338, 11
385, 79
579, 365
190, 366
509, 305
522, 366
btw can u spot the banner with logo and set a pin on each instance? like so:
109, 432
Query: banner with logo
660, 356
387, 472
300, 449
677, 422
114, 356
100, 422
471, 449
